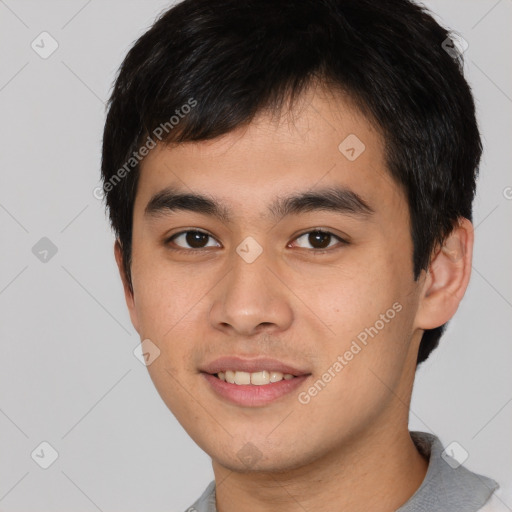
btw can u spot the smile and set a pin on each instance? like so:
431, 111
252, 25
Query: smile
260, 378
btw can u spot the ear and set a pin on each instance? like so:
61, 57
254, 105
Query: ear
128, 293
447, 277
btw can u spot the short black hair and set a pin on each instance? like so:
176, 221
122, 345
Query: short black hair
228, 60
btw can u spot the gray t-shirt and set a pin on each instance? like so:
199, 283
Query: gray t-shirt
447, 486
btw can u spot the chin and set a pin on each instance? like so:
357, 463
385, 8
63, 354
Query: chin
265, 465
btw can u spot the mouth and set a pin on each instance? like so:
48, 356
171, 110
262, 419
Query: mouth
258, 366
260, 378
252, 383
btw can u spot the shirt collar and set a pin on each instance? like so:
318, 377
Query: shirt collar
447, 486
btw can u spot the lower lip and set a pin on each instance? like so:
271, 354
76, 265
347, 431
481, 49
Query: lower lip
250, 395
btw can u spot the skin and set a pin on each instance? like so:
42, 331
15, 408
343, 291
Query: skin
349, 448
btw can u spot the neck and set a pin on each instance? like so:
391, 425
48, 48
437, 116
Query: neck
379, 472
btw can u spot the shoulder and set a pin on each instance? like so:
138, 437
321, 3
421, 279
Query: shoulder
206, 502
499, 501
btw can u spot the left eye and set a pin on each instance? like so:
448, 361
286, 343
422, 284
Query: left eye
319, 239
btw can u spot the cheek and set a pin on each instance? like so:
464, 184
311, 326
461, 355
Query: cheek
361, 370
369, 312
165, 297
353, 297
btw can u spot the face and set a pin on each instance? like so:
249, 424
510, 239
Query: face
296, 260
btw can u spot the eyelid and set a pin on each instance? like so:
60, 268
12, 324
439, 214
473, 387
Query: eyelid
324, 231
169, 239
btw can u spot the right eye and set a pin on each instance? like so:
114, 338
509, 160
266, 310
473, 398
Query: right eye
194, 238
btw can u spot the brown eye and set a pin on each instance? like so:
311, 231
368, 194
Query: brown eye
319, 239
193, 238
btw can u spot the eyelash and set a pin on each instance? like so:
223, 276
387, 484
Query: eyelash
315, 251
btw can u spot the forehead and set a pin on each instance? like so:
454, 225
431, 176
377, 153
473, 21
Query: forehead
323, 141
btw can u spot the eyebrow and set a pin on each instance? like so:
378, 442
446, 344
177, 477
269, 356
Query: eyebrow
335, 199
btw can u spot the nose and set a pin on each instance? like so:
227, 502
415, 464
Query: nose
251, 299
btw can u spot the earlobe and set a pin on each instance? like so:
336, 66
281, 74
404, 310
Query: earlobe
128, 293
447, 277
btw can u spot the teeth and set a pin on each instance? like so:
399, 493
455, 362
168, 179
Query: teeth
260, 378
276, 376
255, 378
242, 378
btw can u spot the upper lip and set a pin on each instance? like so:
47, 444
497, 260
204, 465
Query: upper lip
251, 365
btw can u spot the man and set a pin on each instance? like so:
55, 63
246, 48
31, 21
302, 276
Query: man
291, 183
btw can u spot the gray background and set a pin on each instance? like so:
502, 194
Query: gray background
68, 375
